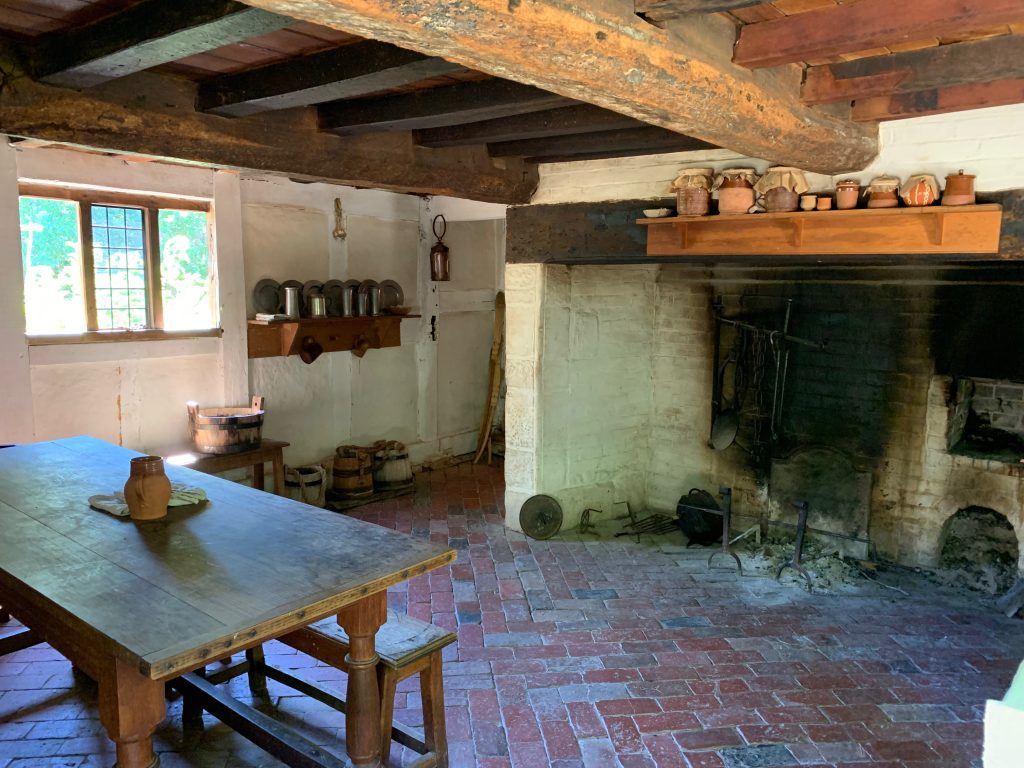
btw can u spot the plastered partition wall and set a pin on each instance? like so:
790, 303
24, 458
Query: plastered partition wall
428, 393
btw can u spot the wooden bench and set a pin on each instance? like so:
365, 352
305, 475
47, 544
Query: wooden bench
406, 647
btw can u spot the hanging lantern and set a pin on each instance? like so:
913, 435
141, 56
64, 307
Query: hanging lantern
439, 253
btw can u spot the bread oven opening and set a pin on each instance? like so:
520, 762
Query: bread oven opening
987, 419
979, 550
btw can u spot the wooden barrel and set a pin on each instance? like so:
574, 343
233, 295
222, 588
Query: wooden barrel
392, 469
226, 430
353, 472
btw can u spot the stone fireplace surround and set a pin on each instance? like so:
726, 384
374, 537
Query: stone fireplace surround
609, 376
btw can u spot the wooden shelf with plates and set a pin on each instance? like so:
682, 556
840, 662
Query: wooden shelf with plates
966, 229
332, 334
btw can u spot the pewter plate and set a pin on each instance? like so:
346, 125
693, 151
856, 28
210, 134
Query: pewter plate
266, 297
391, 294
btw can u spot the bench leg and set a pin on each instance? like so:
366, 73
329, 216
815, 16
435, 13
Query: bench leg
192, 712
257, 675
5, 615
388, 681
432, 693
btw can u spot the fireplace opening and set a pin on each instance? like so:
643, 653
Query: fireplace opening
979, 550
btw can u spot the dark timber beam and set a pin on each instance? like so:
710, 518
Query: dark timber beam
162, 124
553, 122
604, 54
145, 35
994, 58
338, 73
861, 26
646, 140
937, 101
659, 10
447, 105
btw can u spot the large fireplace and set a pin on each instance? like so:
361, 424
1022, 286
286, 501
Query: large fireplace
901, 423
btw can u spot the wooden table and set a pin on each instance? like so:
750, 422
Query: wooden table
137, 604
210, 463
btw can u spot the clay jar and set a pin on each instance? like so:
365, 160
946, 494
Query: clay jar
780, 200
959, 189
148, 490
847, 194
735, 195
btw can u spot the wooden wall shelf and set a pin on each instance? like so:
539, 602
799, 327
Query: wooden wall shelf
968, 229
333, 334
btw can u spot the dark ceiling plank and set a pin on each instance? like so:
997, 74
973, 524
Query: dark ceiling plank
145, 35
448, 105
338, 73
680, 78
994, 58
937, 101
629, 140
663, 10
868, 24
584, 118
165, 126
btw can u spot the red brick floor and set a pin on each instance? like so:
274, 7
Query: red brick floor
609, 653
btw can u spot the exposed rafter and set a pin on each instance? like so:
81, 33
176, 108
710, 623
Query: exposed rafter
565, 121
936, 101
448, 105
994, 58
608, 56
146, 35
866, 25
165, 126
338, 73
638, 141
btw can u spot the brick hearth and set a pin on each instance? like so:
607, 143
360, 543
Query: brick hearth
610, 653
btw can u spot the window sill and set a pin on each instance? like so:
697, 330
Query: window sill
95, 337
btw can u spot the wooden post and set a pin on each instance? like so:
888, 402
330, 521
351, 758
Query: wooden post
361, 620
131, 707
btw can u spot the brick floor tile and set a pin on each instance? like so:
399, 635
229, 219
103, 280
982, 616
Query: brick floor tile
586, 720
709, 738
560, 740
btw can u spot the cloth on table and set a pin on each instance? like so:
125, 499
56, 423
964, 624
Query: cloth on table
181, 495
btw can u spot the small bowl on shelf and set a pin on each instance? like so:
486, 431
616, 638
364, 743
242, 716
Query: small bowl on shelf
397, 310
657, 213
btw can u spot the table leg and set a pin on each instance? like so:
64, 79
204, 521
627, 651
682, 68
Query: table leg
278, 466
257, 476
361, 621
131, 708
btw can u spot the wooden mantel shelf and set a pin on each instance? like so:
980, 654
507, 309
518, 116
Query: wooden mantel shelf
333, 334
968, 229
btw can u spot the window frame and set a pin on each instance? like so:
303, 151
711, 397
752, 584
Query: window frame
150, 205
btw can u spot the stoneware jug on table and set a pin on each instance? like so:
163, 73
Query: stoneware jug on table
148, 490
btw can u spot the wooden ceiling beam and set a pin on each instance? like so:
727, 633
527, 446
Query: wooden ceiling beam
339, 73
937, 101
661, 10
447, 105
146, 35
994, 58
865, 25
164, 126
606, 55
564, 121
646, 140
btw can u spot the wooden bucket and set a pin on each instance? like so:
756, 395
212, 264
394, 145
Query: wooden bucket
306, 484
353, 472
226, 430
392, 468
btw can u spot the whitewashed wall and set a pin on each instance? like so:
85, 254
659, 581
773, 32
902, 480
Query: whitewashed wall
427, 393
